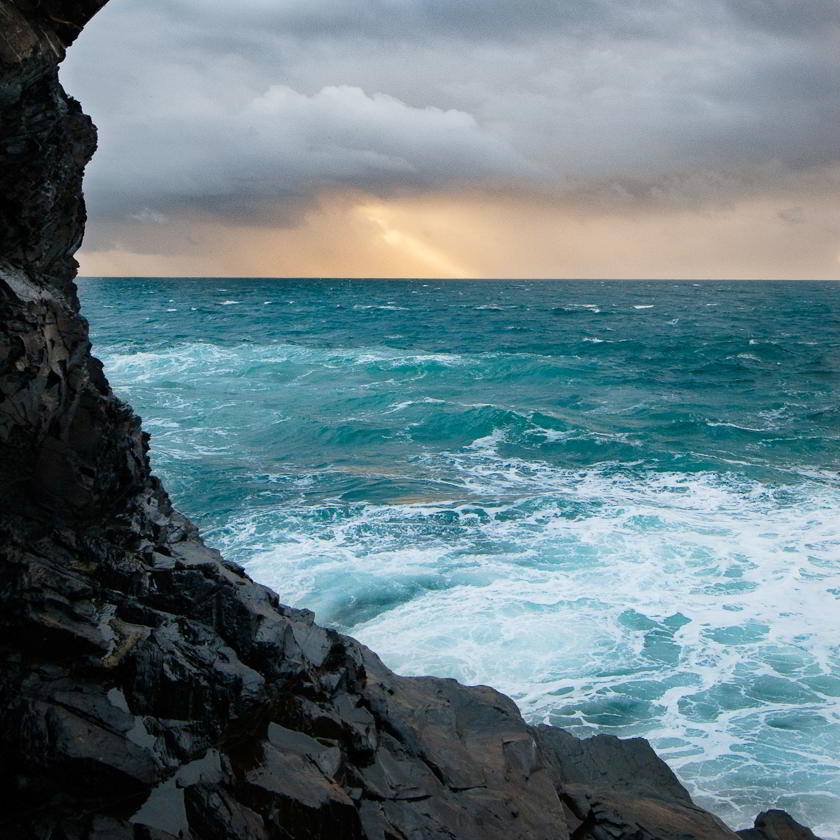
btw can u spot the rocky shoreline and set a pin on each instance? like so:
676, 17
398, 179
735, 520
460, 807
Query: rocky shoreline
151, 690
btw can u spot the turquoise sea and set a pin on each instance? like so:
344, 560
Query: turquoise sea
618, 502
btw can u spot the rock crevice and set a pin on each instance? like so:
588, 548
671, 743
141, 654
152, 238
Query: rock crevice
151, 690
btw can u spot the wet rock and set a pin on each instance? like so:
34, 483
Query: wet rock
777, 825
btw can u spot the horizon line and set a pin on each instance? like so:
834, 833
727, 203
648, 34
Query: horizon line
412, 279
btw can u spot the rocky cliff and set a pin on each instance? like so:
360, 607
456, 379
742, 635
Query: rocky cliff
150, 689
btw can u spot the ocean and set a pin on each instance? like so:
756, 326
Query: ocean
616, 501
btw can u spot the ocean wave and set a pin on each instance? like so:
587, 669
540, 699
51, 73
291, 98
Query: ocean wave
580, 308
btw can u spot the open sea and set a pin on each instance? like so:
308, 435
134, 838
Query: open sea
617, 501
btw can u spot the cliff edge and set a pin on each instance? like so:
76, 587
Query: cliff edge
150, 689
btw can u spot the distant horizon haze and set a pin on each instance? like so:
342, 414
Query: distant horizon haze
419, 279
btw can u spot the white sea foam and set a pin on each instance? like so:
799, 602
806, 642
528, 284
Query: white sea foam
401, 406
591, 307
560, 596
712, 423
198, 357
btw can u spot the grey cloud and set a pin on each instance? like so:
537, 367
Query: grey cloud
249, 111
475, 20
417, 19
789, 18
277, 149
151, 216
792, 215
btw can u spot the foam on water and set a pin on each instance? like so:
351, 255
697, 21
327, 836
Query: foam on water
629, 526
671, 608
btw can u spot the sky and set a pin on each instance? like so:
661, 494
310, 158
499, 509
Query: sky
463, 138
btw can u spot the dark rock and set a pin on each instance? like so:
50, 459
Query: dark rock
777, 825
150, 689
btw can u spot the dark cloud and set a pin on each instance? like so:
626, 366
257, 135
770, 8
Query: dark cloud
249, 111
787, 18
273, 152
505, 20
421, 19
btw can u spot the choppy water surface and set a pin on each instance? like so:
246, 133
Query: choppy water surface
615, 501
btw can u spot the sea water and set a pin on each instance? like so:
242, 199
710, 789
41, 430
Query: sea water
618, 502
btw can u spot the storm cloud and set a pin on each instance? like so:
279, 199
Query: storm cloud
252, 113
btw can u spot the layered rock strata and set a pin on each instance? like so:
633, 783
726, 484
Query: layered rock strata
150, 690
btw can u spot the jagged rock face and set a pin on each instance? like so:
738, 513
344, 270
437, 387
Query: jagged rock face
150, 689
69, 449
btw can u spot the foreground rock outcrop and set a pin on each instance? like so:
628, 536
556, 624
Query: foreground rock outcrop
150, 689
